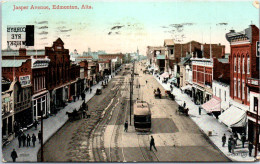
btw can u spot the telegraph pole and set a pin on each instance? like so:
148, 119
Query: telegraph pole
131, 92
42, 159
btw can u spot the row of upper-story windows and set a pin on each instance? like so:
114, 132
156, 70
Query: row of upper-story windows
39, 83
237, 91
237, 61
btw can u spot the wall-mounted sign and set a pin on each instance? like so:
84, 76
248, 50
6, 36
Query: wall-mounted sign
25, 80
20, 35
258, 49
40, 63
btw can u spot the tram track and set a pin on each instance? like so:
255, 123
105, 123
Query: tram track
97, 135
120, 118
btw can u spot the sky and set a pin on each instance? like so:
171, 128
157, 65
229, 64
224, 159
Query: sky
123, 26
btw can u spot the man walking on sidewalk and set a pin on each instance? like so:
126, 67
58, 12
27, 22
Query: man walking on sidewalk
14, 155
20, 140
126, 126
229, 145
250, 148
243, 139
24, 139
33, 139
224, 140
40, 136
28, 140
152, 144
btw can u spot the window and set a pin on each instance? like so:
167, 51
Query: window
248, 65
243, 89
248, 94
225, 96
238, 64
235, 64
238, 88
235, 87
243, 64
255, 104
34, 84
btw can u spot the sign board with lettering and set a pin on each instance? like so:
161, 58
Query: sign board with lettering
25, 80
257, 49
20, 35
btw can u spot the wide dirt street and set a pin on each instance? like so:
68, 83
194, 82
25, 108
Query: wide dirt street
177, 137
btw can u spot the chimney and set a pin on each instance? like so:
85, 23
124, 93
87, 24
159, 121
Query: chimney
22, 52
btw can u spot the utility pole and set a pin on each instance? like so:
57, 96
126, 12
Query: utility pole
256, 132
131, 92
42, 136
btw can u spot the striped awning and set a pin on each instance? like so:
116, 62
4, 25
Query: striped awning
165, 75
213, 105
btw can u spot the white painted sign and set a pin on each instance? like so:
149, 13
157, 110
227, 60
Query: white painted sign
25, 80
16, 35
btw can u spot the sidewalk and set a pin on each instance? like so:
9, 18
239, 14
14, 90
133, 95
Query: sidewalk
208, 123
50, 126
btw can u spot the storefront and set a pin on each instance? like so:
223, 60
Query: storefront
252, 127
40, 105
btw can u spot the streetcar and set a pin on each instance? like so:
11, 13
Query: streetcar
142, 116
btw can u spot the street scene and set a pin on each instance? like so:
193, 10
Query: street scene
96, 86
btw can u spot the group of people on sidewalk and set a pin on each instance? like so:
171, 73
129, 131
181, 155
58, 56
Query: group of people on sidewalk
232, 143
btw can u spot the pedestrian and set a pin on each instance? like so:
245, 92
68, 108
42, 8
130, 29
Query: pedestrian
90, 90
74, 98
35, 123
78, 96
199, 110
126, 126
229, 145
23, 139
152, 144
184, 104
243, 139
28, 140
224, 140
33, 139
154, 91
146, 81
232, 145
40, 136
235, 138
20, 140
14, 155
250, 148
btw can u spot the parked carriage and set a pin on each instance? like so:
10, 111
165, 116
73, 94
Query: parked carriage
142, 116
74, 115
182, 110
98, 92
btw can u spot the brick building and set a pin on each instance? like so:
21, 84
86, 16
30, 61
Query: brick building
202, 72
62, 76
244, 75
18, 92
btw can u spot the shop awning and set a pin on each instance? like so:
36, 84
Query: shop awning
213, 105
187, 87
233, 117
165, 75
